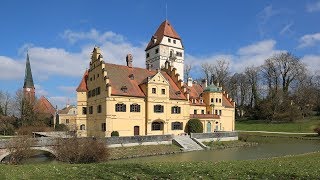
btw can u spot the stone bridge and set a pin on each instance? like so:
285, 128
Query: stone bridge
42, 143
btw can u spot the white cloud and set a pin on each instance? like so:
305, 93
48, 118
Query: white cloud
40, 91
11, 69
313, 7
257, 48
62, 101
286, 29
312, 61
93, 35
309, 40
251, 55
267, 13
46, 62
67, 89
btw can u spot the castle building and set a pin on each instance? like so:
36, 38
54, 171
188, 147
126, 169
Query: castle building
67, 116
152, 100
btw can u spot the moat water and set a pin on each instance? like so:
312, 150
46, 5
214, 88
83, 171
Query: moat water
274, 147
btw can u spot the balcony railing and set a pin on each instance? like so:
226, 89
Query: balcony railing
205, 116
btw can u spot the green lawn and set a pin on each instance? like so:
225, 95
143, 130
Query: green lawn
306, 125
5, 137
294, 167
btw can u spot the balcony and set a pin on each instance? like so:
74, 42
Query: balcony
205, 116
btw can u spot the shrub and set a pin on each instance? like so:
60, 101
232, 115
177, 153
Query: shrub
19, 149
61, 127
27, 130
243, 137
317, 130
80, 150
114, 133
194, 126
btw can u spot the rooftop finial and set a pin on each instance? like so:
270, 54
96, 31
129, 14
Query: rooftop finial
166, 11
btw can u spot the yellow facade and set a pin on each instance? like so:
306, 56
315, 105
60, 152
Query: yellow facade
137, 101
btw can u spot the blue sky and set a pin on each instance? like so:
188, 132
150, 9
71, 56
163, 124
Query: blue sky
60, 36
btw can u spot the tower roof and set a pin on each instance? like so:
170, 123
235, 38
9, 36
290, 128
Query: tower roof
83, 84
212, 88
28, 80
165, 29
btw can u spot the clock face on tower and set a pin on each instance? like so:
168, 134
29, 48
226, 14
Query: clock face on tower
28, 89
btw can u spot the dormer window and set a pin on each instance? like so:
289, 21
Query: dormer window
178, 92
124, 89
131, 76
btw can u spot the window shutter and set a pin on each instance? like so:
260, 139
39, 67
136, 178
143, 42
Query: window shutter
172, 126
181, 125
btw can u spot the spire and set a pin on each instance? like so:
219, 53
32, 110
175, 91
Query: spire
28, 80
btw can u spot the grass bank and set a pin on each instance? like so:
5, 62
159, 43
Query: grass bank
294, 167
306, 125
140, 151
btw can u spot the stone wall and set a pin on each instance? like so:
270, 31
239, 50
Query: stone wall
216, 136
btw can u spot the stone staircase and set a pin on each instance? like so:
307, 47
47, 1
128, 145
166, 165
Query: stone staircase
187, 143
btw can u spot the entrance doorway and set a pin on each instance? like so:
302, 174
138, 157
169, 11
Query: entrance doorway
136, 131
208, 127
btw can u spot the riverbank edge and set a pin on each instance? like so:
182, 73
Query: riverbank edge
228, 145
293, 136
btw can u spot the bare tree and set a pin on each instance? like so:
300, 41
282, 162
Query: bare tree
252, 76
5, 102
221, 71
290, 68
207, 70
187, 69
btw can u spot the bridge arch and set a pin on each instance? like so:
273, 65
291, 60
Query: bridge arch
6, 153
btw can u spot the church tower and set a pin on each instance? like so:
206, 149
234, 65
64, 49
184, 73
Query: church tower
28, 87
165, 45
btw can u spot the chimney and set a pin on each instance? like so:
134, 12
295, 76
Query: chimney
129, 59
204, 83
189, 83
149, 67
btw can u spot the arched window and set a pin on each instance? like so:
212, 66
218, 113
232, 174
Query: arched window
134, 108
171, 53
158, 108
177, 126
157, 126
120, 107
175, 110
82, 127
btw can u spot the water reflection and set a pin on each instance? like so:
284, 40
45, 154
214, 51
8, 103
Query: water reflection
265, 150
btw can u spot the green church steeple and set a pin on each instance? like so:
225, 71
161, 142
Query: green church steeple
28, 80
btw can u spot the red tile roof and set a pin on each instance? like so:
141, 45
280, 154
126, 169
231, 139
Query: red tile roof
43, 106
165, 29
83, 84
131, 78
195, 90
226, 102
